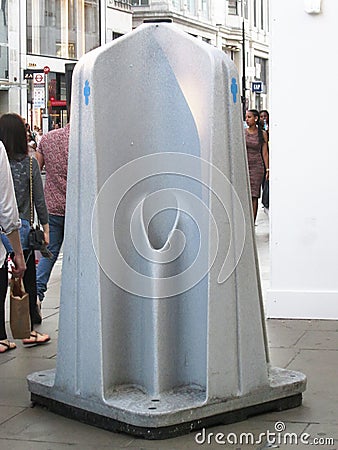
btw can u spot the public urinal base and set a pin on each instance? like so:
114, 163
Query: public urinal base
131, 411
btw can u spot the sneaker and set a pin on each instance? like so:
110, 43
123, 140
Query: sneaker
37, 316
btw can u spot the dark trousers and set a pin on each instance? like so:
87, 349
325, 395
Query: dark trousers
29, 282
3, 292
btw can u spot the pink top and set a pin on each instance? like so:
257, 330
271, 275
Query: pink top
53, 146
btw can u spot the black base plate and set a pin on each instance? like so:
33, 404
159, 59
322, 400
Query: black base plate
165, 432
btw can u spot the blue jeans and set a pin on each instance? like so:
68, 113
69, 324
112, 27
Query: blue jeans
24, 232
45, 266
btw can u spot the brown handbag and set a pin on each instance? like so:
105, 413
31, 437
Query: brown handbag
19, 310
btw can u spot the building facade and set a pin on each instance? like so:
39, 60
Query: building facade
238, 27
39, 37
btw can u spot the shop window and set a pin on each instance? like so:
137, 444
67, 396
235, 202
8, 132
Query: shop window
3, 61
3, 41
233, 7
140, 2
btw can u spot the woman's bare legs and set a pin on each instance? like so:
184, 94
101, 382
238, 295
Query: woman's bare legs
254, 207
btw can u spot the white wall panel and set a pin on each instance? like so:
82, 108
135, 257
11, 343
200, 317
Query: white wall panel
304, 161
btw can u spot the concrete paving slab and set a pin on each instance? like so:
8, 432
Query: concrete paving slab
329, 325
7, 412
194, 446
14, 444
309, 436
283, 337
320, 398
50, 309
21, 367
303, 447
282, 357
14, 392
321, 340
316, 430
5, 357
321, 370
38, 425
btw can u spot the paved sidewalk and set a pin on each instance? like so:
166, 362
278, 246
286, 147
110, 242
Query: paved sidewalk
310, 346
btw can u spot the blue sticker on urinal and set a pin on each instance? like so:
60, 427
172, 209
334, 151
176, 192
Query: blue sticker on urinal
234, 89
86, 92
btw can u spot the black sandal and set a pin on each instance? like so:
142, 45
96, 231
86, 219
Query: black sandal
8, 345
34, 339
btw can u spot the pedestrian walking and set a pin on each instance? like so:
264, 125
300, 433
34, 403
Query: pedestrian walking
264, 120
27, 180
258, 156
52, 154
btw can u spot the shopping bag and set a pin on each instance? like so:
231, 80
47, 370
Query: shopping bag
19, 310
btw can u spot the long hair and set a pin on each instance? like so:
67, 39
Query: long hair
259, 126
14, 136
266, 112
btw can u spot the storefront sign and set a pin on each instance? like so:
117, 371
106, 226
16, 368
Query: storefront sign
257, 86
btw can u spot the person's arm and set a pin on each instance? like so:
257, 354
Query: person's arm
46, 232
265, 154
9, 215
40, 159
39, 153
39, 200
19, 260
